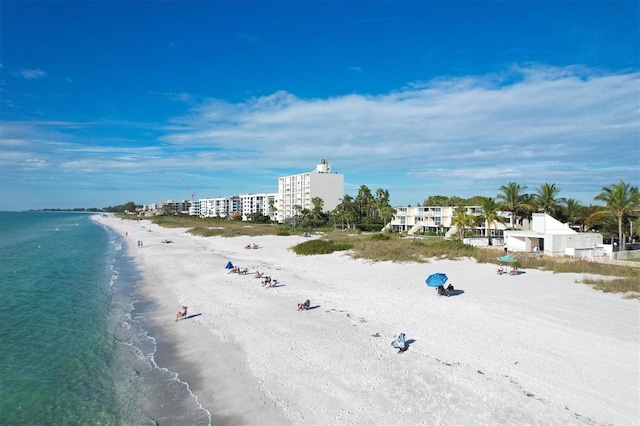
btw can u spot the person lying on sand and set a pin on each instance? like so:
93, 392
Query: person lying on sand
181, 313
304, 306
235, 269
258, 274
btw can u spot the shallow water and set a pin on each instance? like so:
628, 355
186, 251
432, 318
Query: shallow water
73, 347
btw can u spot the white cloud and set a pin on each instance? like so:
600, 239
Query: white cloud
572, 126
32, 74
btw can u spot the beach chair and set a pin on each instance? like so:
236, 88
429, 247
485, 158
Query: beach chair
400, 342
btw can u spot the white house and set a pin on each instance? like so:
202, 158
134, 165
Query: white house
553, 238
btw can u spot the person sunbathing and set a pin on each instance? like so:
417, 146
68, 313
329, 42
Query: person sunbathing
266, 282
235, 269
445, 291
304, 305
258, 274
181, 313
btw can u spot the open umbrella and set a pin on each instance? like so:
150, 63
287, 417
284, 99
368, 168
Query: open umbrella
508, 259
436, 280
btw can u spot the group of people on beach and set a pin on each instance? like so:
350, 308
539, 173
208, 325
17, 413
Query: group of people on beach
238, 270
267, 281
442, 291
503, 271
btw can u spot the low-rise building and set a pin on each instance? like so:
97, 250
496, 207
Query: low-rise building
554, 238
439, 220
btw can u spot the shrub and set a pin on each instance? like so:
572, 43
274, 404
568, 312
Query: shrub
319, 247
380, 237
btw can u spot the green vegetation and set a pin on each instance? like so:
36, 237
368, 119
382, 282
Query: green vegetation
360, 220
396, 248
320, 247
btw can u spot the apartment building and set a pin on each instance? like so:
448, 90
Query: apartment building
171, 206
437, 219
266, 204
298, 190
220, 206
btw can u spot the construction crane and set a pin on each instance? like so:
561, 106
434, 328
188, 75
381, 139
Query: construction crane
193, 194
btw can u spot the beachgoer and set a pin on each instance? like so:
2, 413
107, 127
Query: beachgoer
235, 269
258, 274
181, 313
304, 305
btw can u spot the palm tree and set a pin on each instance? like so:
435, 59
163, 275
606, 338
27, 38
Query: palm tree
346, 210
620, 199
462, 220
574, 212
489, 214
512, 198
546, 198
317, 212
272, 209
364, 202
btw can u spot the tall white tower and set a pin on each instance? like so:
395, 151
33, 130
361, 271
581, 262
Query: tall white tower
297, 191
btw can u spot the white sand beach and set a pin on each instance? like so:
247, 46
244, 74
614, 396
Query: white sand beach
537, 348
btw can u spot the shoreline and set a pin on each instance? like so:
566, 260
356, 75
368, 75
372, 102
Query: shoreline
524, 349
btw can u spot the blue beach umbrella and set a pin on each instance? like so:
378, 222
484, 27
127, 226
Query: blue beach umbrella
229, 265
507, 259
436, 280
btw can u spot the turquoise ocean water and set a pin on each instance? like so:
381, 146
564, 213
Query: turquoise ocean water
73, 345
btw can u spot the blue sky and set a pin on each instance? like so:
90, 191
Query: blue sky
102, 103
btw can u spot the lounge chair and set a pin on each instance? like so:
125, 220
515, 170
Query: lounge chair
400, 342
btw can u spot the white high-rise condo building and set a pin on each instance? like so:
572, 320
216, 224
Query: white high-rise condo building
299, 190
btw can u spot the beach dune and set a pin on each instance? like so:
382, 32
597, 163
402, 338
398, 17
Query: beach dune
536, 348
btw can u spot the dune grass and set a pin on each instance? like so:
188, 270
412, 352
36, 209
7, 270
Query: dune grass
397, 248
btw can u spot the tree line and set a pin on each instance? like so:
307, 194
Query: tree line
370, 211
